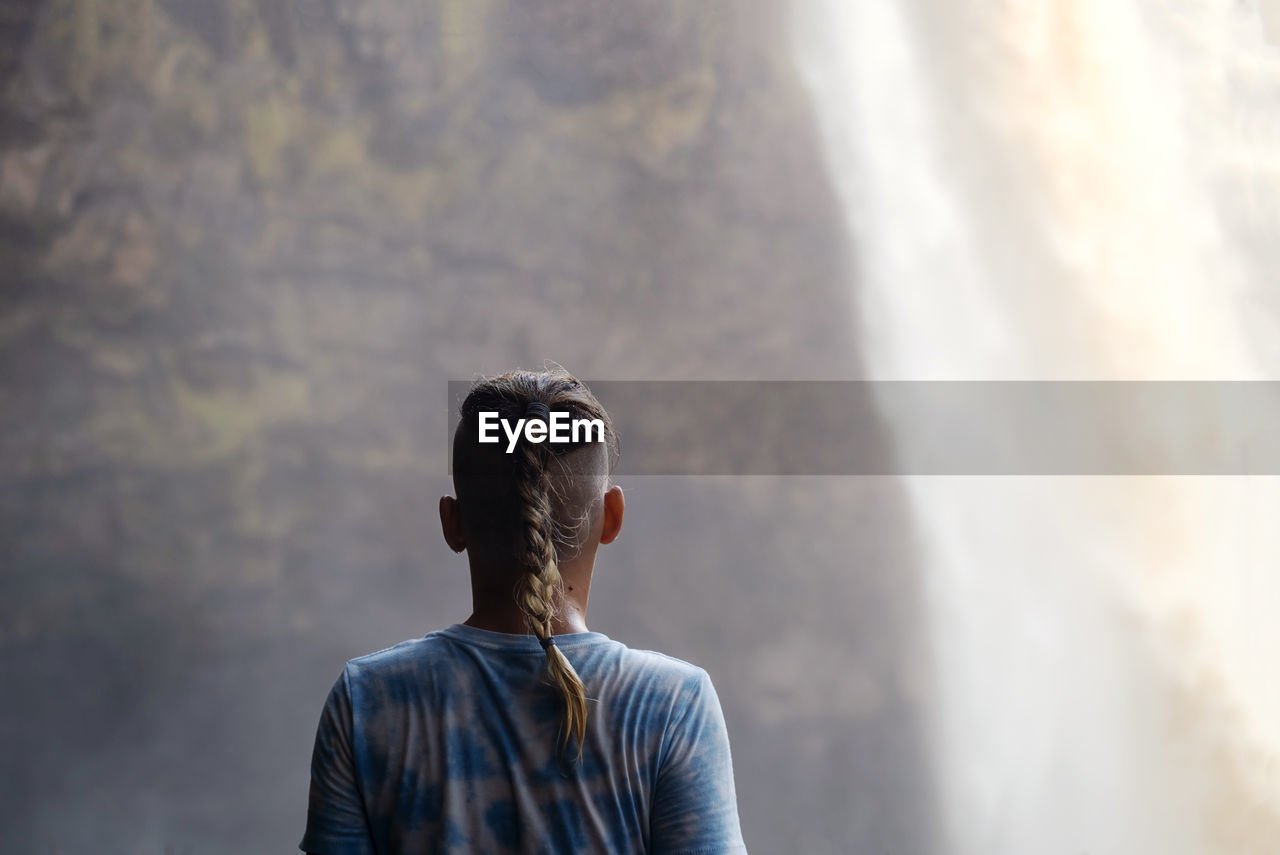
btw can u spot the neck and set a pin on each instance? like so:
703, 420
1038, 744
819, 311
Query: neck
512, 621
493, 607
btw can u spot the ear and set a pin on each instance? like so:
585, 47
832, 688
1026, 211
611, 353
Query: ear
451, 523
614, 505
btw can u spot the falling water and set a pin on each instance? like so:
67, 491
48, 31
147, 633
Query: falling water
1077, 189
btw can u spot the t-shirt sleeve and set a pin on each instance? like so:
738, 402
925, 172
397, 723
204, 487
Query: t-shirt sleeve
336, 822
695, 809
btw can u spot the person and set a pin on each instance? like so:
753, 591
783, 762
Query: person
520, 730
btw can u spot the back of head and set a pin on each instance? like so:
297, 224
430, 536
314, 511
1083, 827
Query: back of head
527, 508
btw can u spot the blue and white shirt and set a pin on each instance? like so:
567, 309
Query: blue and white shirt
451, 743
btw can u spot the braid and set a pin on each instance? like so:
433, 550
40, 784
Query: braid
516, 506
538, 590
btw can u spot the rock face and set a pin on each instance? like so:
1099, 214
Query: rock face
245, 246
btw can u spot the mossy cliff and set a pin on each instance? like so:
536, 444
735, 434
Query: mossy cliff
246, 243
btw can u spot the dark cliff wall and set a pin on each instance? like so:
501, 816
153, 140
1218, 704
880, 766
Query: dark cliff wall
245, 245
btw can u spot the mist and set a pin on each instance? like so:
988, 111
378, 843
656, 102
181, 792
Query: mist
1084, 192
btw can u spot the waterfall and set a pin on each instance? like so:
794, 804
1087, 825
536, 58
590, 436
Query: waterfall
1076, 189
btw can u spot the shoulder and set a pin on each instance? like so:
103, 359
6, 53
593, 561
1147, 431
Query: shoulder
413, 658
654, 675
396, 653
663, 665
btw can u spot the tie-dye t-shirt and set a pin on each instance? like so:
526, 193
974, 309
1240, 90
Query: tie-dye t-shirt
451, 744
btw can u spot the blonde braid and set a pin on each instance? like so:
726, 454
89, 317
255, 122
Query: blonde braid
538, 591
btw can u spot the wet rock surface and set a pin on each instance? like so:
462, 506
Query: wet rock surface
245, 247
